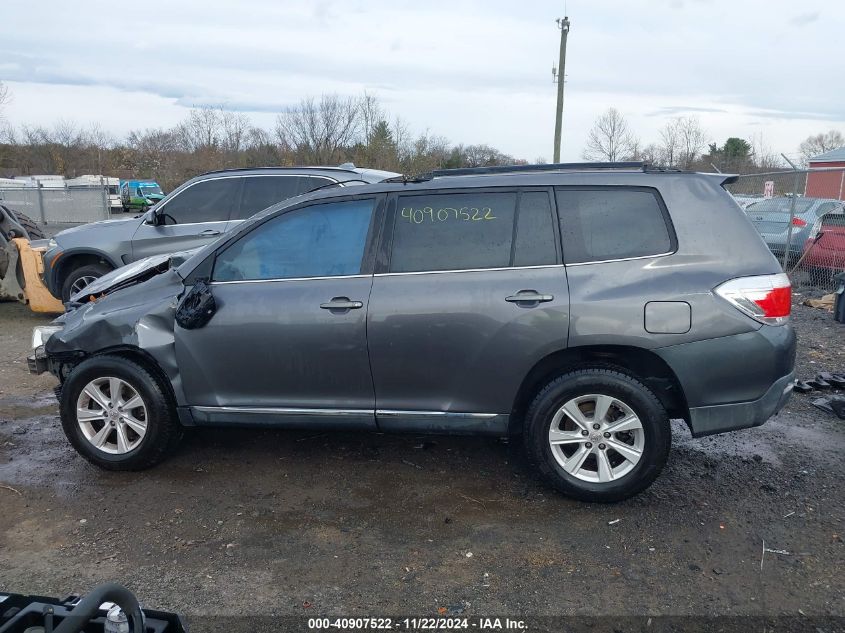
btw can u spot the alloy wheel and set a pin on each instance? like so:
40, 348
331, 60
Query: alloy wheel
112, 415
596, 438
81, 283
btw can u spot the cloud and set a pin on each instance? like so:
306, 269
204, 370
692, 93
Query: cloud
677, 110
805, 18
474, 70
796, 115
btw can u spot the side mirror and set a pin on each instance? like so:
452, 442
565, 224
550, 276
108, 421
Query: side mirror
151, 218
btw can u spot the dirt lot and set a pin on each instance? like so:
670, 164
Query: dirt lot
370, 524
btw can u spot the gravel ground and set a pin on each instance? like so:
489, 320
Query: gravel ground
370, 524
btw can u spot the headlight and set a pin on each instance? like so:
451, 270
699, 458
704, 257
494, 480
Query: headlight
52, 243
41, 333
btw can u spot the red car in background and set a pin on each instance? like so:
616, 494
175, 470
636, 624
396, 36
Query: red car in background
825, 249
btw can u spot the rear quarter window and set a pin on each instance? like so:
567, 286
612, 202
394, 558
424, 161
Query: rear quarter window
606, 223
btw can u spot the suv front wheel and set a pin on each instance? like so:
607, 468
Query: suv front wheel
117, 414
80, 277
598, 434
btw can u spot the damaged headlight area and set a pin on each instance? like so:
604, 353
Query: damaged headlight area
37, 361
41, 334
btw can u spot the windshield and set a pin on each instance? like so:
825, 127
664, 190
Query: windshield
148, 189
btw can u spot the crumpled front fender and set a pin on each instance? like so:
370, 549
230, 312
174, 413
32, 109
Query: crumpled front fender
140, 317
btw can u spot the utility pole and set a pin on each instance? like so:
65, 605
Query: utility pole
559, 74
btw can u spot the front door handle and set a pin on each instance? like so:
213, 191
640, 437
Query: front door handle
341, 303
529, 296
210, 232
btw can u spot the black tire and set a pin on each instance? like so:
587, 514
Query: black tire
34, 231
90, 270
656, 432
163, 429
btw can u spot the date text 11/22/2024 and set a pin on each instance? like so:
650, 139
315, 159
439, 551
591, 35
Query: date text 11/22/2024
417, 624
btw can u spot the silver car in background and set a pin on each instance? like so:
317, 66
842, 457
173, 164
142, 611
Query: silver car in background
771, 217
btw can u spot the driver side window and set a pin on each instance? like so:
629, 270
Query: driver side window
323, 240
207, 201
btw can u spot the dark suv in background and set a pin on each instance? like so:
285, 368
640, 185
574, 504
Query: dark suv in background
194, 214
580, 307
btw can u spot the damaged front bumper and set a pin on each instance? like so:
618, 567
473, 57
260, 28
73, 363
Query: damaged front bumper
38, 362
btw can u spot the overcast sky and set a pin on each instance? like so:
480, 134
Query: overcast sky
474, 71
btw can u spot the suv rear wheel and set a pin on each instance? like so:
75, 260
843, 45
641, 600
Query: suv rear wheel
598, 434
117, 415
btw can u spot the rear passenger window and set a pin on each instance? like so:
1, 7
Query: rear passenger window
310, 183
535, 238
453, 231
460, 231
611, 223
261, 192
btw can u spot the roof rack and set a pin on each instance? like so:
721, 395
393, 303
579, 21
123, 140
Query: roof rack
507, 169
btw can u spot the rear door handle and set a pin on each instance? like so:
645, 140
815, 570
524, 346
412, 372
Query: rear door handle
529, 296
341, 303
210, 232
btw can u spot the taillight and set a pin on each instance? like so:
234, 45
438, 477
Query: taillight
799, 222
766, 298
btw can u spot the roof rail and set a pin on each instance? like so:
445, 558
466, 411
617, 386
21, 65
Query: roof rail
507, 169
279, 167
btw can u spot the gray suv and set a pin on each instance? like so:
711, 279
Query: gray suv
194, 214
579, 307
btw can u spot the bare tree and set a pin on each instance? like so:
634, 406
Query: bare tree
5, 97
98, 142
319, 129
153, 154
371, 114
670, 143
820, 143
764, 157
64, 143
692, 139
326, 130
610, 139
234, 132
201, 130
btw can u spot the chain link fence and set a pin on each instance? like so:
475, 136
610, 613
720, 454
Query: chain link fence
800, 214
59, 205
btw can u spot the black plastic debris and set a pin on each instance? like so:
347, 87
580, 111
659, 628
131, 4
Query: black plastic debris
834, 404
837, 380
818, 383
822, 382
802, 386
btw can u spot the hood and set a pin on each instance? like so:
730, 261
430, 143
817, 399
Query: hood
130, 275
154, 196
87, 234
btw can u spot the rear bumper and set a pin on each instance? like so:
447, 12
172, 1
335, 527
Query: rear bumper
734, 382
742, 415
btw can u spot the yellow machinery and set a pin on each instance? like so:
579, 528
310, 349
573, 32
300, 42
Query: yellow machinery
21, 264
